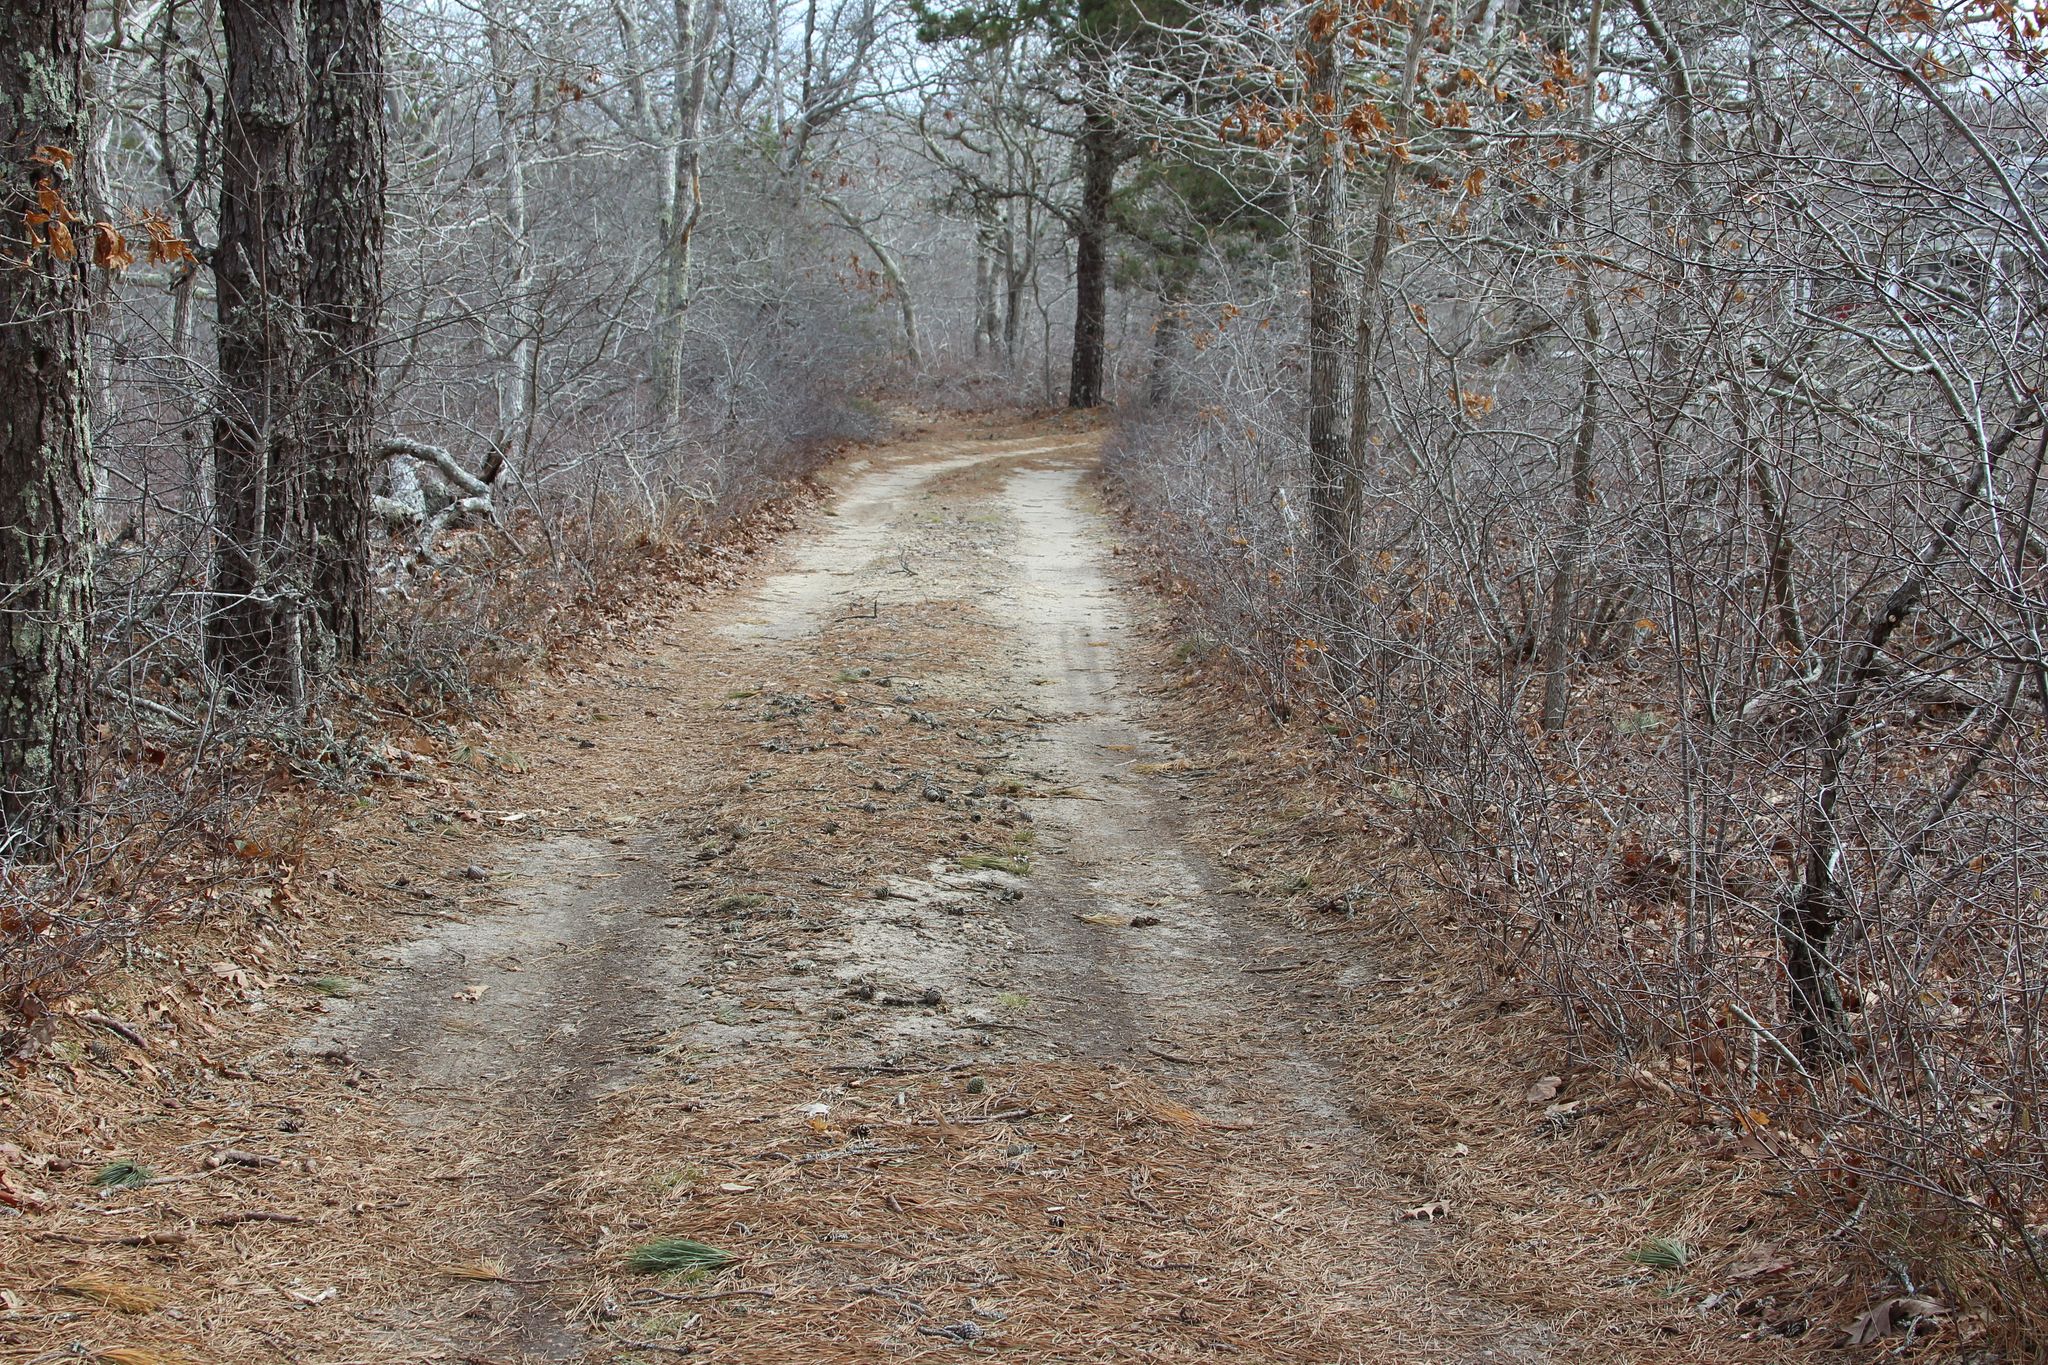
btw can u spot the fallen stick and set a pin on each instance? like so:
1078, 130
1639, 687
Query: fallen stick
113, 1025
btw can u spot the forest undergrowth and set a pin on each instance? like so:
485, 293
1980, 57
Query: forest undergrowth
1554, 869
215, 820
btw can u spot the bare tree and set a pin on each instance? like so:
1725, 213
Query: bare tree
683, 201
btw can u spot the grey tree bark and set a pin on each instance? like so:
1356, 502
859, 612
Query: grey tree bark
46, 477
344, 290
1560, 627
1322, 213
261, 587
683, 202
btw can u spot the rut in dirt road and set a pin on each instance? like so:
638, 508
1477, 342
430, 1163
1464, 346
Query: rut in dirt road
871, 946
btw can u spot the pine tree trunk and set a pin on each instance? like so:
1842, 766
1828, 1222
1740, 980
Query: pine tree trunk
260, 568
344, 288
1091, 258
1166, 329
45, 448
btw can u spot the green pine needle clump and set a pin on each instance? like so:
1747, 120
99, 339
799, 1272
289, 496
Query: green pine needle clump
1662, 1253
122, 1175
676, 1256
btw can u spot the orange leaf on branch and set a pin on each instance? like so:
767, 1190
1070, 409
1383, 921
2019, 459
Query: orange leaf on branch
109, 248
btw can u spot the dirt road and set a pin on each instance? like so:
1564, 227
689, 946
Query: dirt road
868, 922
872, 948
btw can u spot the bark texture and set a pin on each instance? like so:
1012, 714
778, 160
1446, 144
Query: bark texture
1332, 481
260, 573
45, 447
683, 203
1098, 148
344, 286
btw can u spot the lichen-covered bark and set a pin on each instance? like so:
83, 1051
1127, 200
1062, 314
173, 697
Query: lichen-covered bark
45, 448
344, 287
260, 572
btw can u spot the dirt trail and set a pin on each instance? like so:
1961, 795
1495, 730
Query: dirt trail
885, 835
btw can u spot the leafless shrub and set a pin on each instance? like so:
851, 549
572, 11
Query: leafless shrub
1755, 398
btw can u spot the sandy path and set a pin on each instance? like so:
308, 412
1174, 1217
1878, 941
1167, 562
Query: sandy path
883, 834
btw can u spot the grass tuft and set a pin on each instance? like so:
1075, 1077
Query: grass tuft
1663, 1253
676, 1256
122, 1175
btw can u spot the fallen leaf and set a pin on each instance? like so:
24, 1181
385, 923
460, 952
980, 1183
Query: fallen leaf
1427, 1213
1544, 1090
1890, 1316
1767, 1261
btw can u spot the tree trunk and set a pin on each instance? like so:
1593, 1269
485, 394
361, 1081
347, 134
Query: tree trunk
986, 327
45, 446
1097, 146
1166, 330
344, 287
1019, 263
1558, 630
1375, 308
260, 567
696, 25
1577, 548
1330, 475
892, 272
518, 382
1809, 918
